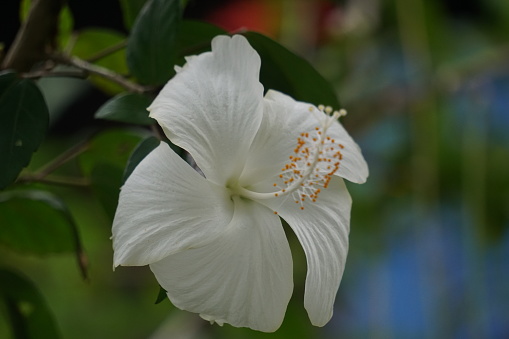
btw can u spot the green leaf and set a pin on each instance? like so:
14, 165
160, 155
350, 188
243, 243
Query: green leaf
195, 37
126, 107
27, 311
37, 222
106, 180
151, 47
24, 120
288, 73
24, 8
7, 78
65, 26
130, 10
104, 163
90, 43
140, 152
110, 147
161, 296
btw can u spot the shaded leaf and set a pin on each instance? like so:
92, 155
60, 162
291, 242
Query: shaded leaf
141, 151
65, 26
106, 180
104, 163
288, 73
126, 107
130, 10
27, 312
161, 296
38, 222
151, 47
24, 8
195, 36
110, 147
24, 120
7, 78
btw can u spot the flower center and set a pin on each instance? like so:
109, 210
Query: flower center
314, 161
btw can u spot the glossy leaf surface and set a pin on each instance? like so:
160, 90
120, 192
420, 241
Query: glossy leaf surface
24, 121
151, 47
126, 107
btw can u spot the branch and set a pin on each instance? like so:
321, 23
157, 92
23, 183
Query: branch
54, 74
55, 180
63, 158
43, 174
35, 37
101, 71
108, 51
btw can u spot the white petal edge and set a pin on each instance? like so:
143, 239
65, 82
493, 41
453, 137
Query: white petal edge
165, 206
322, 229
213, 107
283, 122
243, 278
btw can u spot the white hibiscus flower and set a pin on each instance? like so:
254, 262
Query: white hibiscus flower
215, 242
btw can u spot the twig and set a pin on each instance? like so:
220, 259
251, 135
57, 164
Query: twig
107, 51
54, 74
60, 160
55, 180
101, 71
40, 176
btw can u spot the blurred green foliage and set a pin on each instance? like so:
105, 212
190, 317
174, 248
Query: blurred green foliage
424, 84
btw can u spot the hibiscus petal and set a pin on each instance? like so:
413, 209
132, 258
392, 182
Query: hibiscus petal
213, 107
274, 142
165, 207
243, 278
270, 151
353, 167
322, 228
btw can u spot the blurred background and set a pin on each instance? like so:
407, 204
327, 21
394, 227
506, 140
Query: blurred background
426, 85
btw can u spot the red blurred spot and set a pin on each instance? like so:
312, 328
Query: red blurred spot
253, 15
